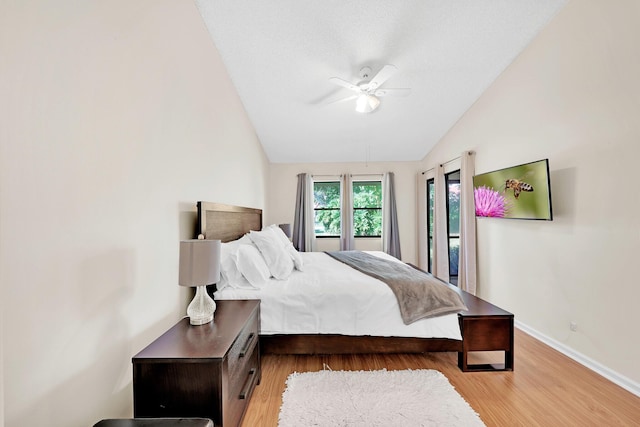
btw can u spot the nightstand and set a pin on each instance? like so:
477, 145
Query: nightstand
205, 371
485, 327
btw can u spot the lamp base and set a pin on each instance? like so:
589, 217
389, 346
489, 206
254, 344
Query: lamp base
200, 321
201, 308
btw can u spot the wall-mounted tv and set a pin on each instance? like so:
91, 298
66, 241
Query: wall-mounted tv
519, 192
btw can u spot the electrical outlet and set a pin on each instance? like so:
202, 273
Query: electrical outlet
573, 326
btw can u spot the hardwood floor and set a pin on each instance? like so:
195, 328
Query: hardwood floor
545, 389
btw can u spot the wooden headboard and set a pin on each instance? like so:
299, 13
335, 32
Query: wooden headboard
226, 222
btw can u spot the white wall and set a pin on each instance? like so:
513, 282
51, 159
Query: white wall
573, 97
282, 198
1, 360
116, 118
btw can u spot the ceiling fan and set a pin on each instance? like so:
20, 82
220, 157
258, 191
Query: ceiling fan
367, 90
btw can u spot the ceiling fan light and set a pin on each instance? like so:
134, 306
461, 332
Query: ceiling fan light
361, 104
373, 102
366, 103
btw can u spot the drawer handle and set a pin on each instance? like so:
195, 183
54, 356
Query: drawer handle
247, 384
247, 344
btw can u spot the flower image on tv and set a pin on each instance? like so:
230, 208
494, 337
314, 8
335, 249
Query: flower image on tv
519, 192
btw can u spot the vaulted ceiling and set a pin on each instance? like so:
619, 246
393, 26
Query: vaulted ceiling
281, 54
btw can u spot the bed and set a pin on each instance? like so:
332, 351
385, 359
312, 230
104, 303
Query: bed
371, 327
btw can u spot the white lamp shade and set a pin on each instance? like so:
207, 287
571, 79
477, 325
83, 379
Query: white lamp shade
199, 262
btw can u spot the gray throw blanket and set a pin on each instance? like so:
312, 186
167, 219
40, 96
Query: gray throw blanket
419, 294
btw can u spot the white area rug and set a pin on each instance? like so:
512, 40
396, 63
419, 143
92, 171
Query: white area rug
374, 398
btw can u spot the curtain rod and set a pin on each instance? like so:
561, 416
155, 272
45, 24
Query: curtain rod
447, 162
450, 161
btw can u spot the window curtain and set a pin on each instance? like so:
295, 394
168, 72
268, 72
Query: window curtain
347, 241
390, 232
467, 259
304, 238
440, 229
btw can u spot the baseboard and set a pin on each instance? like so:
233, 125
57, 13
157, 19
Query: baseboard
598, 368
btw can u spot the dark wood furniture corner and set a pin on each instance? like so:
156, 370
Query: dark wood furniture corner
485, 327
201, 371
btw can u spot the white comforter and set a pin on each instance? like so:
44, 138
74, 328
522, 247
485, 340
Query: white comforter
329, 297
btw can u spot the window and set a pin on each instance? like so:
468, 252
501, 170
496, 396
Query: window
431, 196
367, 209
453, 223
326, 206
452, 183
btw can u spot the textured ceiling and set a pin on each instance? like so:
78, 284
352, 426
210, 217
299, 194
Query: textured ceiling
280, 55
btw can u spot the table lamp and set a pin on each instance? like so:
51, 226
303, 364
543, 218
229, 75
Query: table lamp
199, 267
286, 228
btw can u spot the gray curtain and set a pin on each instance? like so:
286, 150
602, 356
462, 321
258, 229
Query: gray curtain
347, 241
390, 232
303, 223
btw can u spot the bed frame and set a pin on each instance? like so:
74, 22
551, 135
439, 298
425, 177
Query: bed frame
484, 326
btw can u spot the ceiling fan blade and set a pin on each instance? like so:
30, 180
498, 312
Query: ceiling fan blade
393, 92
348, 98
382, 76
344, 83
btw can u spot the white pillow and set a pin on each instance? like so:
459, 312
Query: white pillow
279, 234
229, 273
252, 266
295, 255
274, 253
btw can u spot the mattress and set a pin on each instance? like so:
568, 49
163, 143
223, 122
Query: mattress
329, 297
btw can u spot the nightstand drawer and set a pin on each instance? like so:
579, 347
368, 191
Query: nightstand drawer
240, 352
487, 334
241, 387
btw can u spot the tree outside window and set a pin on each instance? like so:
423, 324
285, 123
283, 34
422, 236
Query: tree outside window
431, 196
326, 205
453, 223
367, 209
